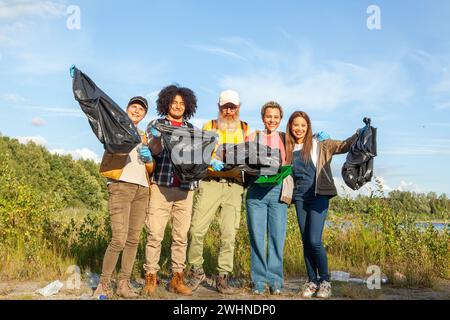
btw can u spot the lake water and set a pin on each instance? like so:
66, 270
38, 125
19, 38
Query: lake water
440, 226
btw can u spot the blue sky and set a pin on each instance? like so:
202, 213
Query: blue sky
316, 56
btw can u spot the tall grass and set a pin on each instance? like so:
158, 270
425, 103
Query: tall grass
40, 240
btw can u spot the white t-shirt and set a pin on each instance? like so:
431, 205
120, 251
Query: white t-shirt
134, 170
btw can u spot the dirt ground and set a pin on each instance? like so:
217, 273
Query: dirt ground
341, 291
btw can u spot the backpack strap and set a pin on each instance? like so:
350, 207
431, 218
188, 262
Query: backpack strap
214, 125
283, 137
244, 127
189, 125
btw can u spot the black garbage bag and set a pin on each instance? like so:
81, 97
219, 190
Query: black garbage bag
190, 150
358, 167
252, 157
108, 121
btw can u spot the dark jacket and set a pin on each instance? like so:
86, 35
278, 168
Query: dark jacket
326, 149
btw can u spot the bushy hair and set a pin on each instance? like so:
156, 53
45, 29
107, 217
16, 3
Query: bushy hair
166, 96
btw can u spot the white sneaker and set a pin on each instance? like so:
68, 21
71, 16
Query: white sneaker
309, 289
324, 290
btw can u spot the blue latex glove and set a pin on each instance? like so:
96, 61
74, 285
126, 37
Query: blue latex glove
145, 154
72, 70
322, 135
217, 165
155, 133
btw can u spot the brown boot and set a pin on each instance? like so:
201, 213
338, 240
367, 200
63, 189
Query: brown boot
150, 284
222, 284
125, 290
177, 285
103, 289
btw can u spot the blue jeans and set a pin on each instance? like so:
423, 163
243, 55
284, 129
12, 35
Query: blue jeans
311, 214
266, 218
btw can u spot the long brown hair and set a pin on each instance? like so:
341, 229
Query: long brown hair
290, 140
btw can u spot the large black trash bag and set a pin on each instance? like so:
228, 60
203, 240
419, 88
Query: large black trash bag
190, 150
252, 157
358, 167
108, 121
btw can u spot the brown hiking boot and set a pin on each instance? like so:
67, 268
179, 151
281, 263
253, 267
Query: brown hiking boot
195, 278
177, 285
150, 284
125, 290
103, 289
222, 284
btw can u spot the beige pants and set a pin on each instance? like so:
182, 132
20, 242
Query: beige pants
128, 204
168, 203
213, 196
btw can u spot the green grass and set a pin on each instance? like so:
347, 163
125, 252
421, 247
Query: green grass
63, 237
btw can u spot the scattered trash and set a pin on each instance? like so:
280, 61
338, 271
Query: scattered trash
399, 276
73, 281
93, 279
357, 280
51, 289
340, 276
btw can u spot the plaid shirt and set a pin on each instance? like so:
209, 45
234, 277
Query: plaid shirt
164, 172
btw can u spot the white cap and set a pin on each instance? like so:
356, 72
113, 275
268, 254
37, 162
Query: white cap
229, 96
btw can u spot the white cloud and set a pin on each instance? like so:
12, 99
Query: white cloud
443, 105
39, 140
217, 51
68, 112
377, 184
419, 147
77, 154
14, 98
298, 81
38, 122
408, 186
13, 9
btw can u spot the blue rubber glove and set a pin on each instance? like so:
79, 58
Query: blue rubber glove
217, 165
155, 133
72, 70
145, 154
322, 136
361, 130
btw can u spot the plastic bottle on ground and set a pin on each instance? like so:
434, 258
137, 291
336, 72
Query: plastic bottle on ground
340, 276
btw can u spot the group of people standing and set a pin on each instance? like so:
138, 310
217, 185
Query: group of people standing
144, 189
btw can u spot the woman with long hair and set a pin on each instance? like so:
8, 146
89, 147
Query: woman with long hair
313, 189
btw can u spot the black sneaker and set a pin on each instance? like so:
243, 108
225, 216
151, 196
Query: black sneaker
222, 284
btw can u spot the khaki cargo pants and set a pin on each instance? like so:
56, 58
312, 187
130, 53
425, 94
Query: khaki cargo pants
213, 196
127, 205
174, 204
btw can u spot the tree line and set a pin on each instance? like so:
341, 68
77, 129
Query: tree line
77, 183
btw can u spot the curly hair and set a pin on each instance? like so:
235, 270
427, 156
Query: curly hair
166, 96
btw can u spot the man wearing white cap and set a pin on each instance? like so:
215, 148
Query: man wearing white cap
219, 191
